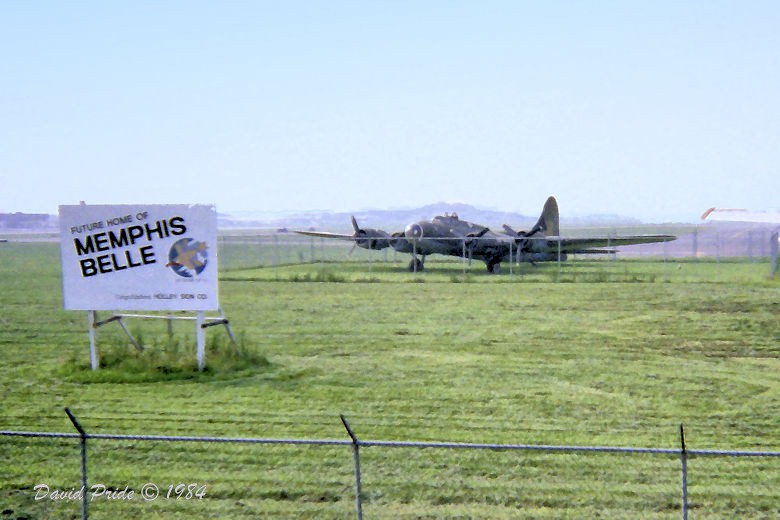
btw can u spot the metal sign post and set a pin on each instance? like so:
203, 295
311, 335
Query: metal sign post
92, 340
200, 335
202, 322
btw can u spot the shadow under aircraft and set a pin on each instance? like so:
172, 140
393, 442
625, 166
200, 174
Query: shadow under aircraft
449, 235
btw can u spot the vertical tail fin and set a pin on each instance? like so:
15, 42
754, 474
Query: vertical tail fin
550, 216
548, 222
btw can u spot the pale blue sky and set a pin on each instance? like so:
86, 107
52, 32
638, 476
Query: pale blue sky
656, 110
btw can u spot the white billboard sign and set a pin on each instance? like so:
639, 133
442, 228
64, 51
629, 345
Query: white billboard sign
139, 257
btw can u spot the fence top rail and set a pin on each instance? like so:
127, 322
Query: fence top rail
397, 444
180, 438
527, 447
8, 433
734, 453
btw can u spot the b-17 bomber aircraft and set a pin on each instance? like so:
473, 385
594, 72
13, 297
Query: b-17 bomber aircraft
449, 235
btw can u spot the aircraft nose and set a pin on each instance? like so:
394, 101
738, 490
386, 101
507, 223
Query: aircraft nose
413, 231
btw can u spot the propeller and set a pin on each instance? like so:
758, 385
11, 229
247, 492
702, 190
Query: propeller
369, 238
470, 242
509, 231
523, 238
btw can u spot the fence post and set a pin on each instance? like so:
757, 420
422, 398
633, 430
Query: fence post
356, 453
83, 439
511, 273
684, 461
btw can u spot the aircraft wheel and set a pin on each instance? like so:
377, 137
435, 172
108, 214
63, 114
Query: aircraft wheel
494, 267
416, 265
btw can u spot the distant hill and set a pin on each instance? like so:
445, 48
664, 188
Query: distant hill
397, 219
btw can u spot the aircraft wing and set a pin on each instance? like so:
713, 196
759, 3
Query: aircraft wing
590, 245
325, 234
366, 238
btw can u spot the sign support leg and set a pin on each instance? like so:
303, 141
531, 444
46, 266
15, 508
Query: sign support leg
92, 340
201, 339
227, 326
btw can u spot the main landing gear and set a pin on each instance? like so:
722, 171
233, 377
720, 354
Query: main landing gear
493, 267
416, 265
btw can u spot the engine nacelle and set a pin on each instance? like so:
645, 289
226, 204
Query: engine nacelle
414, 231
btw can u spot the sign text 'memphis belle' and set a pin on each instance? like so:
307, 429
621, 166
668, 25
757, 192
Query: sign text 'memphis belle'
107, 241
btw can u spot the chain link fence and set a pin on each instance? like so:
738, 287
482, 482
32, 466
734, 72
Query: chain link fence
98, 475
703, 245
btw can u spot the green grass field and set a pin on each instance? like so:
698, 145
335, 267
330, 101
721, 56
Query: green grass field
595, 353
